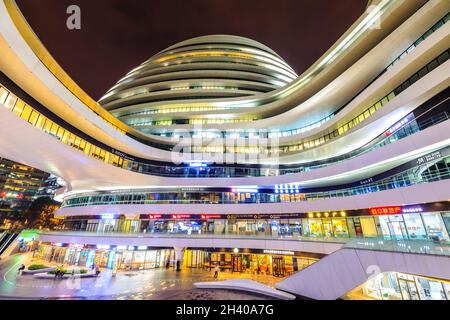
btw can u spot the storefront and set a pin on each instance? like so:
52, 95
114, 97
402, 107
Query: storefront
424, 226
265, 262
408, 222
104, 256
401, 286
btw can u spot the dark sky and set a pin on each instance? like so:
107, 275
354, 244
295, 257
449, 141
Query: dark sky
117, 35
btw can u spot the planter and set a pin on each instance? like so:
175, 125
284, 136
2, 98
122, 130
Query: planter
45, 275
30, 272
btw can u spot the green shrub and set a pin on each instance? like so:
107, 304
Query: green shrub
37, 267
77, 271
54, 271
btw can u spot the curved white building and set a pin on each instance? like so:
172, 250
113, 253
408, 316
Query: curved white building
216, 142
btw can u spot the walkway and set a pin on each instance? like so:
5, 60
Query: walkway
150, 284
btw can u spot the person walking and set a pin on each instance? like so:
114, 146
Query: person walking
216, 272
97, 271
20, 270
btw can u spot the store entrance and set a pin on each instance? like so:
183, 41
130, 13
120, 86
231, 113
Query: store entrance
408, 289
236, 263
278, 267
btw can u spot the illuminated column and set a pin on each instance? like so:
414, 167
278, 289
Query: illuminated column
179, 254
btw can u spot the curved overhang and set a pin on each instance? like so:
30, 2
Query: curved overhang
85, 119
421, 193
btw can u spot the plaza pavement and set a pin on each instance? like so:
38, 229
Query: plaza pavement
156, 284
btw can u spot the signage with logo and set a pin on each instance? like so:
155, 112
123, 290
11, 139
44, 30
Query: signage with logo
385, 210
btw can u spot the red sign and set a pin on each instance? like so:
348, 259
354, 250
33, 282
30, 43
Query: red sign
385, 210
210, 216
154, 216
181, 216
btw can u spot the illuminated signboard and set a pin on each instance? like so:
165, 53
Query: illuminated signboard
281, 252
154, 216
412, 210
107, 216
385, 210
181, 216
210, 216
399, 124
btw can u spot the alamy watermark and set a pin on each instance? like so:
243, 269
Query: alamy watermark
73, 22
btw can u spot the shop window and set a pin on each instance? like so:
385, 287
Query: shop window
414, 226
368, 227
435, 226
340, 228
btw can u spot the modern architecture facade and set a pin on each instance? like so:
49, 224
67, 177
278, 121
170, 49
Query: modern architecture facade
19, 186
215, 152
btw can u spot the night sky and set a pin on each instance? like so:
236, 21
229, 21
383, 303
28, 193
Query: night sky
118, 35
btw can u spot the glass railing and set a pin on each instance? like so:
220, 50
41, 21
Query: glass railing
441, 248
366, 243
194, 235
405, 179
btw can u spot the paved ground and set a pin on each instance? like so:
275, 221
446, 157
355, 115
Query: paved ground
157, 284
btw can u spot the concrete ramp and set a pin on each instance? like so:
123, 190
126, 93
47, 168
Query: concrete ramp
245, 285
342, 271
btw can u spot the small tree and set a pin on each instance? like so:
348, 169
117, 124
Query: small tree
41, 214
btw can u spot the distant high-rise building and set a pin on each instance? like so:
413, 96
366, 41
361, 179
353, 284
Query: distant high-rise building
19, 185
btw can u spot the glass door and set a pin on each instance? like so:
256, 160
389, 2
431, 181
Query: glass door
327, 228
398, 230
279, 269
237, 263
408, 289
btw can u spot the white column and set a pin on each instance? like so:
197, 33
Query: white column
179, 254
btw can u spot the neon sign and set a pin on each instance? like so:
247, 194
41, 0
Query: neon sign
181, 216
210, 216
385, 210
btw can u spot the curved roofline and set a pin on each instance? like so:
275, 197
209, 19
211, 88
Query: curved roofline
222, 38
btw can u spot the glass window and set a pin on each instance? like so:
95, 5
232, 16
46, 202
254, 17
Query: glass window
435, 226
414, 226
26, 112
40, 122
10, 101
315, 227
3, 94
340, 227
33, 117
368, 226
18, 108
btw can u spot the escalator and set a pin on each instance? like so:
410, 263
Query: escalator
360, 259
6, 240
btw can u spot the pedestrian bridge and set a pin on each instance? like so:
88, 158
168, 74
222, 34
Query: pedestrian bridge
351, 266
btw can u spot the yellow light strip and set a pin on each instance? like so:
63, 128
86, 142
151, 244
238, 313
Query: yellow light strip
50, 63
